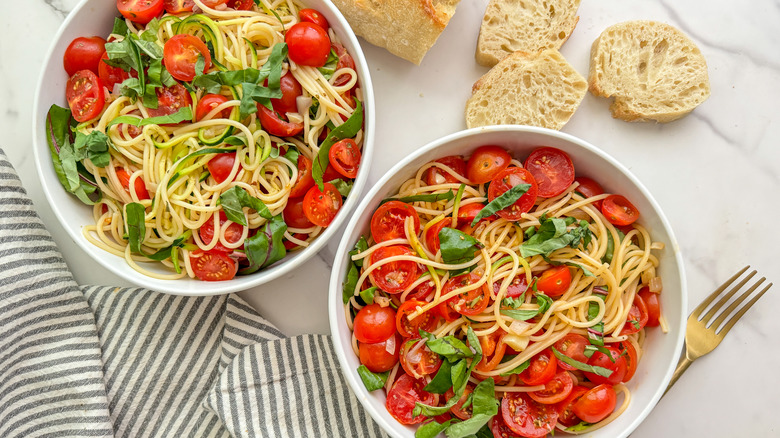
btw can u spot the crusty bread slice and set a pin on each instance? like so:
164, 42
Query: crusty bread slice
538, 89
524, 25
406, 28
653, 71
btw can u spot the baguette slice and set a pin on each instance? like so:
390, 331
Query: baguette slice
538, 89
509, 26
406, 28
653, 71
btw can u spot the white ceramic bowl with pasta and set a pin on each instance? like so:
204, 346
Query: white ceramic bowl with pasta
96, 17
660, 350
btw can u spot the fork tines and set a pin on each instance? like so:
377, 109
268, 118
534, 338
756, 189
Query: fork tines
717, 308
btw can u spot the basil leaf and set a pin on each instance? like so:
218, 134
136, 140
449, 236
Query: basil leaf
135, 217
344, 187
329, 68
431, 429
600, 371
485, 432
518, 369
165, 253
449, 347
595, 332
459, 374
484, 407
372, 381
474, 341
267, 246
350, 282
552, 234
579, 427
607, 257
430, 197
543, 301
233, 201
184, 114
292, 155
235, 141
93, 146
360, 246
592, 348
442, 381
368, 295
347, 129
456, 246
505, 200
213, 82
120, 27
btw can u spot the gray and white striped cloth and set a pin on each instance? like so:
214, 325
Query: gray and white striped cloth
126, 362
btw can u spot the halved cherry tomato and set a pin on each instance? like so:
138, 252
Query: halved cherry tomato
388, 220
457, 409
291, 89
294, 216
422, 291
596, 404
330, 174
637, 317
573, 346
84, 54
617, 365
241, 5
181, 53
432, 235
221, 165
411, 328
486, 162
555, 390
541, 369
233, 233
653, 305
170, 100
214, 3
320, 207
619, 211
589, 188
308, 44
178, 6
85, 96
213, 265
344, 156
418, 360
290, 245
305, 179
507, 179
393, 277
380, 356
435, 175
632, 359
492, 345
468, 303
275, 125
405, 393
527, 417
138, 186
448, 314
109, 75
374, 323
467, 213
313, 16
566, 415
552, 169
140, 11
516, 287
500, 429
345, 61
208, 103
554, 281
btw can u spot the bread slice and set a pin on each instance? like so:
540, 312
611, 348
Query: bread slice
525, 25
406, 28
653, 71
538, 89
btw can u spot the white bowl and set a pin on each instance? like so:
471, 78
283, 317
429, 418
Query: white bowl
662, 350
96, 17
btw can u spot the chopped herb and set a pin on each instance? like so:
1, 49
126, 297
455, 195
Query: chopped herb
372, 381
600, 371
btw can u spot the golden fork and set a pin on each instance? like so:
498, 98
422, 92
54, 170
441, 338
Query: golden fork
703, 334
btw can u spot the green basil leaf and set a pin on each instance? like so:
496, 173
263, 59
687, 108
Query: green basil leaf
120, 27
600, 371
607, 257
165, 253
347, 129
431, 197
484, 407
442, 381
456, 246
459, 374
505, 200
267, 246
431, 429
360, 246
367, 295
329, 68
350, 282
372, 381
595, 332
449, 347
518, 369
543, 301
233, 201
592, 348
474, 342
344, 187
579, 427
135, 217
94, 146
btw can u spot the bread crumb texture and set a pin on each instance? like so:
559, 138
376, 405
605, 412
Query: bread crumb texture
537, 89
509, 26
651, 69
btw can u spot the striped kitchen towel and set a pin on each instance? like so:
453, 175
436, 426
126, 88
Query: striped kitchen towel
127, 362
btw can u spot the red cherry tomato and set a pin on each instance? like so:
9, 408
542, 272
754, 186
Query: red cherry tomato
458, 410
467, 213
138, 186
552, 169
109, 75
632, 359
330, 174
84, 54
221, 165
637, 317
178, 6
344, 156
467, 303
313, 16
170, 100
405, 393
589, 188
554, 281
527, 417
208, 103
308, 44
573, 346
596, 404
516, 287
432, 235
85, 95
374, 323
241, 5
214, 3
305, 179
435, 175
566, 414
491, 345
140, 11
213, 265
619, 211
555, 390
410, 328
181, 54
345, 61
446, 312
320, 207
291, 89
233, 233
294, 216
422, 291
507, 179
486, 162
500, 429
275, 125
388, 220
380, 356
541, 369
418, 360
653, 305
618, 367
393, 277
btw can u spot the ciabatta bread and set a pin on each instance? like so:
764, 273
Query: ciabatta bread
538, 89
524, 25
406, 28
653, 71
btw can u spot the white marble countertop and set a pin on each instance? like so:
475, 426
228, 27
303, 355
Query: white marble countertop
716, 174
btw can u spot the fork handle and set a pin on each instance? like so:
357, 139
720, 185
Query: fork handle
682, 366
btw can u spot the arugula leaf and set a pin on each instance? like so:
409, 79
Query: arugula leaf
457, 246
135, 216
267, 246
432, 429
431, 197
372, 381
505, 200
442, 381
600, 371
233, 201
368, 295
347, 129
